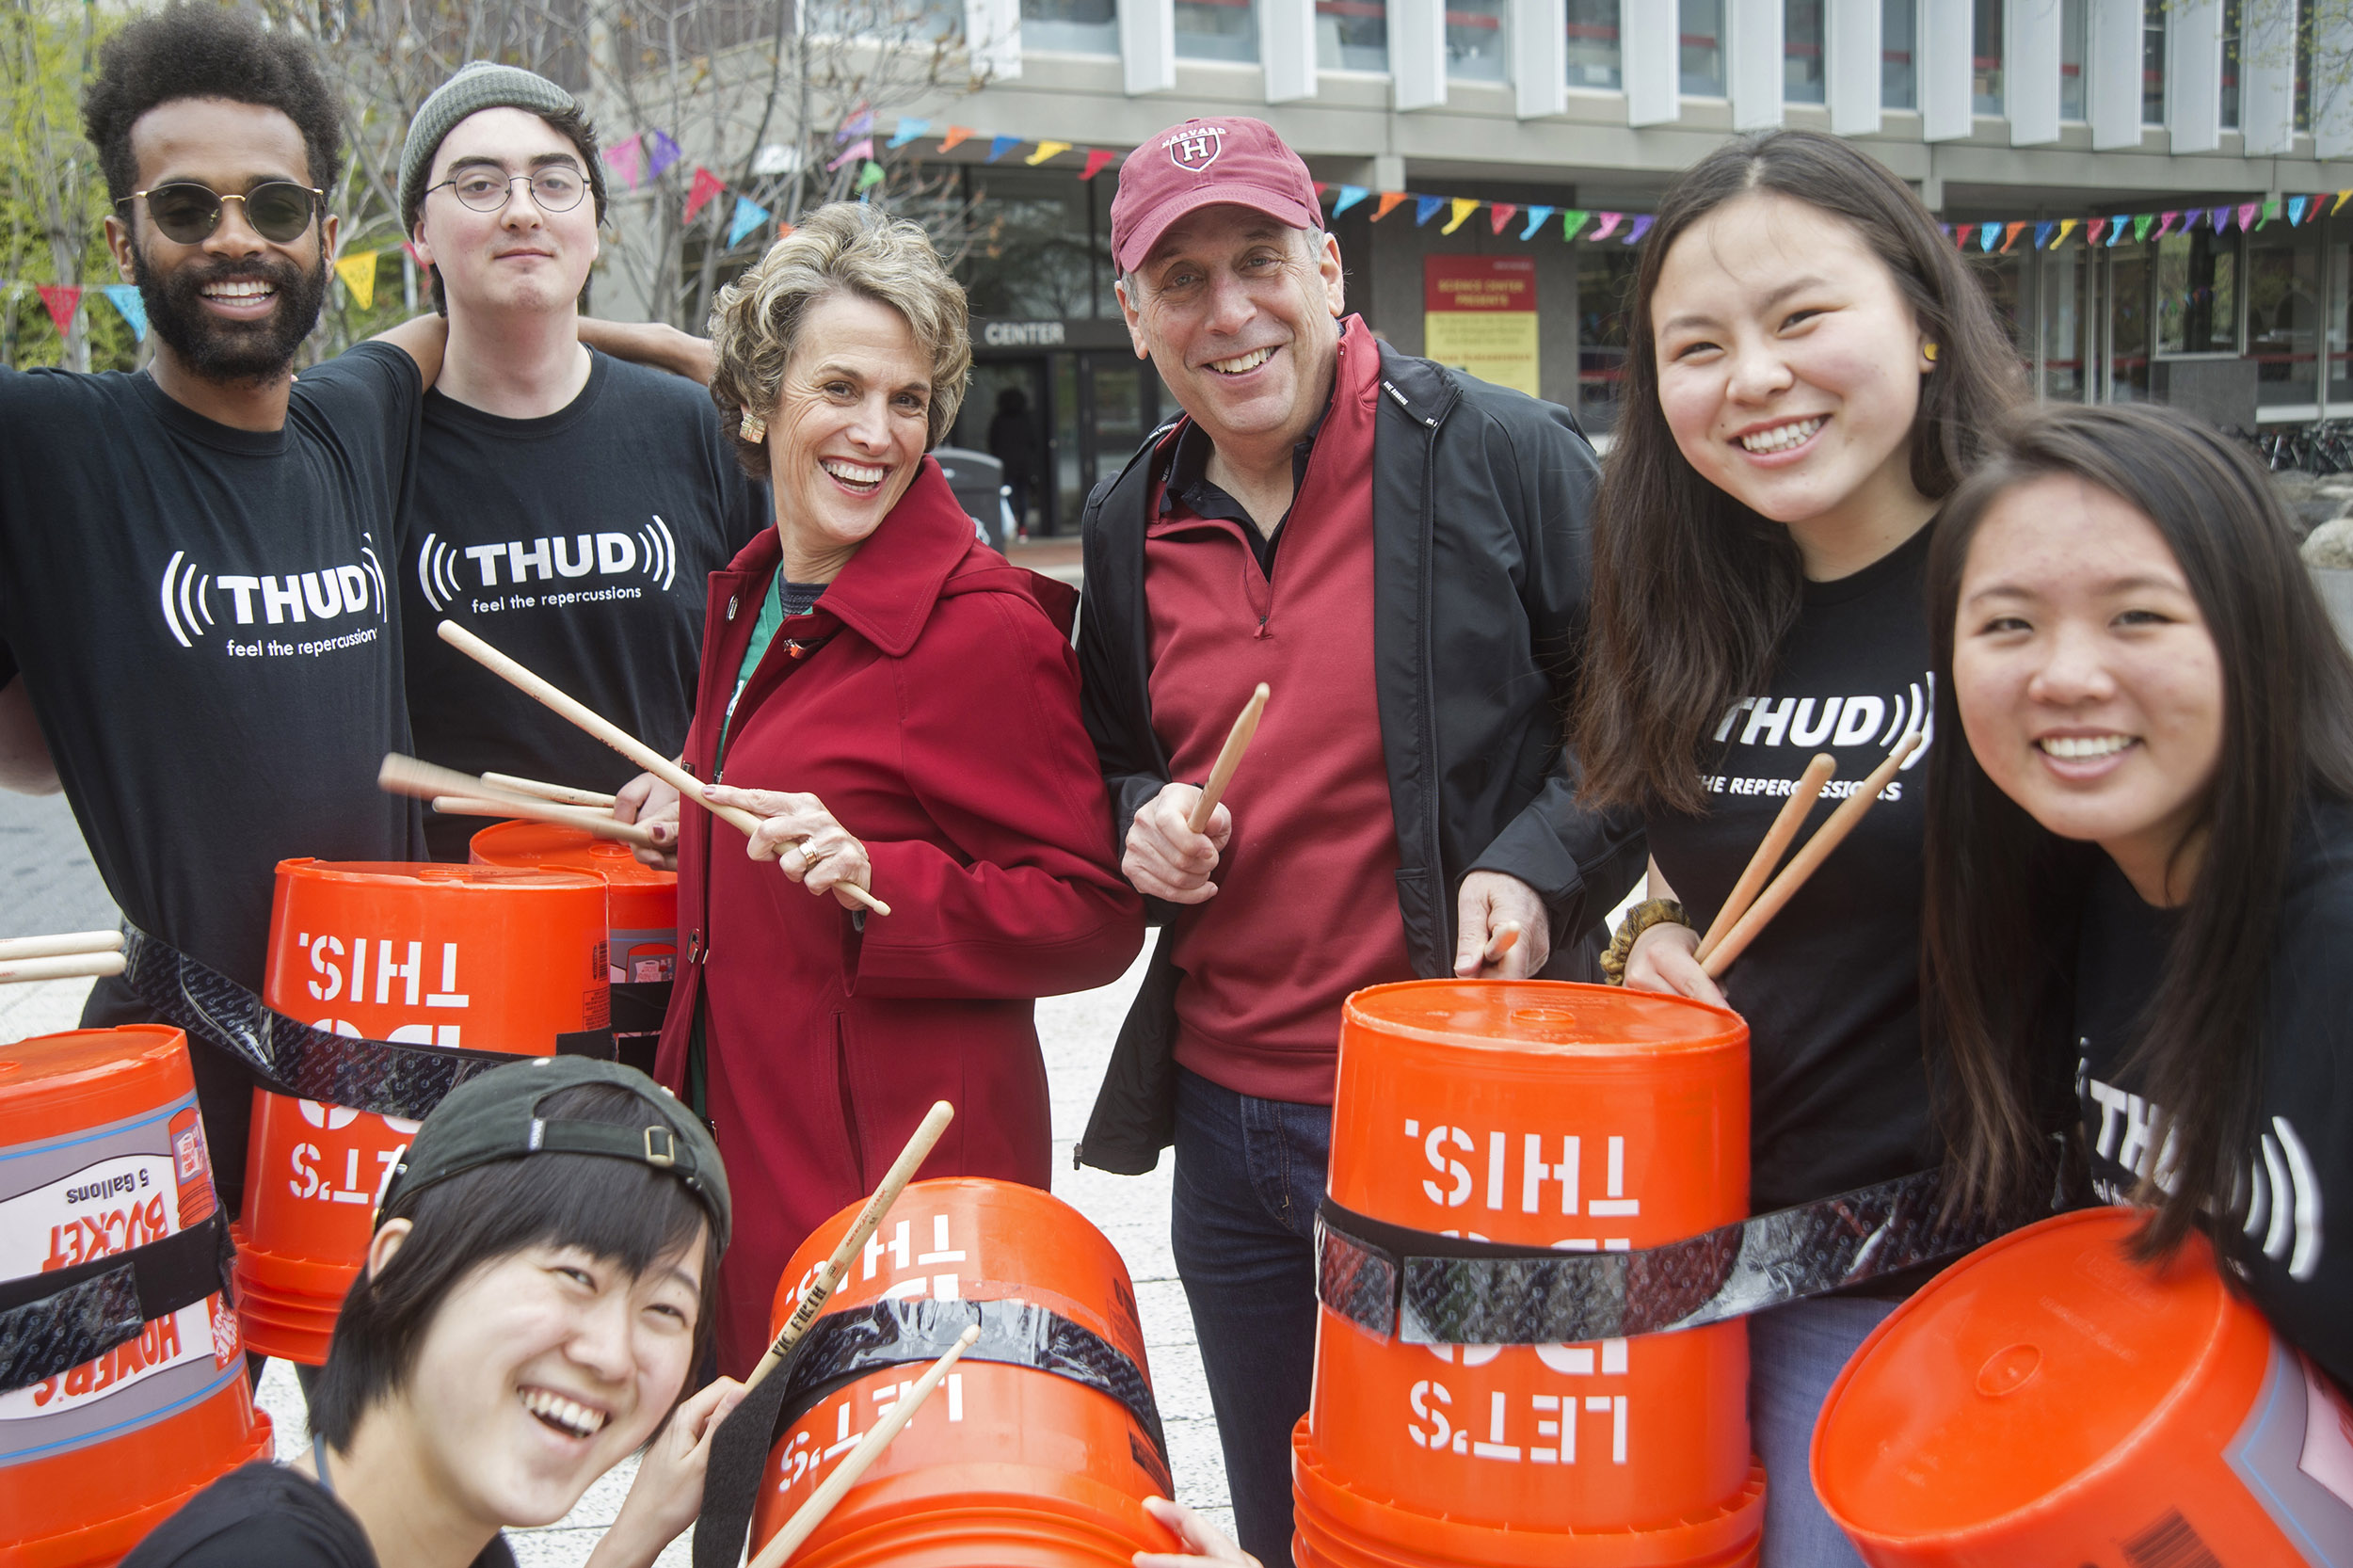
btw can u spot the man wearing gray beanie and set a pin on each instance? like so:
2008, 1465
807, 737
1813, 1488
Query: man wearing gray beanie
568, 505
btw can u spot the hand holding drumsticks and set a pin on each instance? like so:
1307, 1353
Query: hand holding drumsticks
1178, 836
1680, 961
735, 806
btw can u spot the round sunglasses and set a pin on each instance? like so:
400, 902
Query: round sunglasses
186, 213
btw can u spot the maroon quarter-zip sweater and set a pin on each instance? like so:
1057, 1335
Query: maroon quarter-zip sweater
1306, 909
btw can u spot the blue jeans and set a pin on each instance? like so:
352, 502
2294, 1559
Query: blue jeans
1795, 1353
1249, 1175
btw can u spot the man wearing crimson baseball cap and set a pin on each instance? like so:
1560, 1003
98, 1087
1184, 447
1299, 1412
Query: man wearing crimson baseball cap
1399, 552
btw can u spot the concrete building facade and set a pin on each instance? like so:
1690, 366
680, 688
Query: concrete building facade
1994, 110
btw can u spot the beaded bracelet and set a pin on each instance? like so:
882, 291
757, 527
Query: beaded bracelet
1657, 911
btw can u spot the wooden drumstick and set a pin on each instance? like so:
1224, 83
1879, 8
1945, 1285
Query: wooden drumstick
562, 795
1228, 757
1803, 863
65, 944
409, 775
812, 1513
1500, 941
854, 1240
580, 713
1818, 774
603, 828
68, 965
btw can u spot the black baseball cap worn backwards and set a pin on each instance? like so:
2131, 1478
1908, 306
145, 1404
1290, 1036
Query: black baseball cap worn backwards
496, 1117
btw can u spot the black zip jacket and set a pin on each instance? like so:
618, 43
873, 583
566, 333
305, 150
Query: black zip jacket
1480, 577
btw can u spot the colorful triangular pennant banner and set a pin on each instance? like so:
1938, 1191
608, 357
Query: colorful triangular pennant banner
1462, 207
1046, 150
1097, 161
359, 275
699, 195
628, 160
125, 298
749, 215
1348, 197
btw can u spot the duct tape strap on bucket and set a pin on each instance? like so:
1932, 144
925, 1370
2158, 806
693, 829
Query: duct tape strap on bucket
293, 1058
1431, 1290
843, 1347
52, 1322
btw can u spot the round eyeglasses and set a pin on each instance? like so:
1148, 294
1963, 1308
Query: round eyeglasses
555, 188
186, 213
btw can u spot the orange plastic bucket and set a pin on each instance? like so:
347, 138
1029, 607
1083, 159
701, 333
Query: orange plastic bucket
101, 1151
2046, 1399
483, 957
641, 902
1581, 1117
640, 905
1006, 1466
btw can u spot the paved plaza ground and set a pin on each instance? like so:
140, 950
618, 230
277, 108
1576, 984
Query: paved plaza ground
47, 884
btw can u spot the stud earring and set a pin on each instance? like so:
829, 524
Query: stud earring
754, 428
1927, 352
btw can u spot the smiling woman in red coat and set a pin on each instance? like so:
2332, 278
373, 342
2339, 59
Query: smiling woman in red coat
899, 706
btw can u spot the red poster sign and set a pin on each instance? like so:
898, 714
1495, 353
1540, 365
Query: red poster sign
1478, 282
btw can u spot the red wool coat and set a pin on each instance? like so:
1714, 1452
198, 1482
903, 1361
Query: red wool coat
938, 723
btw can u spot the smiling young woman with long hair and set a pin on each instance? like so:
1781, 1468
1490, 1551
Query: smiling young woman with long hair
1808, 367
2149, 833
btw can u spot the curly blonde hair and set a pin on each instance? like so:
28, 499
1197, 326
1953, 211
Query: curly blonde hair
842, 247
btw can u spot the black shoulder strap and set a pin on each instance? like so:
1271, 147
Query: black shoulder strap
52, 1322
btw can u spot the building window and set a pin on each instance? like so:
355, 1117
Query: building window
2340, 312
1899, 21
2073, 42
2283, 314
2065, 288
2197, 295
1604, 282
1041, 251
1594, 58
1476, 39
2128, 324
1071, 27
1351, 35
1801, 51
1703, 48
2152, 62
1223, 31
2232, 31
2304, 25
1985, 65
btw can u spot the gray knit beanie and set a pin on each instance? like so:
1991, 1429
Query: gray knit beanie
479, 84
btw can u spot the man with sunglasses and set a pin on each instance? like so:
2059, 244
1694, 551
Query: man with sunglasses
567, 507
193, 557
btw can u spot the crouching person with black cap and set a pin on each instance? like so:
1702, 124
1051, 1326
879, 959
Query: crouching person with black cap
537, 1295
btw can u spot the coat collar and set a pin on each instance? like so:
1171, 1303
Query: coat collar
887, 592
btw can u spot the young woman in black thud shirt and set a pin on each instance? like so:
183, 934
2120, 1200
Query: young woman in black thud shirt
2156, 794
1808, 368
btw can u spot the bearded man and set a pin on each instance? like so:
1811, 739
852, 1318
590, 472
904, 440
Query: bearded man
192, 556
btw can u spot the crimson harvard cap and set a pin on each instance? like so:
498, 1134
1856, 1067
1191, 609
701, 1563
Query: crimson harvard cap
1200, 164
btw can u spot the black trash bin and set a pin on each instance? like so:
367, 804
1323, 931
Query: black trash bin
979, 481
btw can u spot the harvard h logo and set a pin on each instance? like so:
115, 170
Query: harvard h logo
1195, 147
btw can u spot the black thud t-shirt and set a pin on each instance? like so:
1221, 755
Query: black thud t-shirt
2292, 1245
1830, 988
580, 544
264, 1515
203, 625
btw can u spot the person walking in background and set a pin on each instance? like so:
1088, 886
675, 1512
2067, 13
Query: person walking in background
1408, 792
567, 506
1811, 370
901, 708
1013, 441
